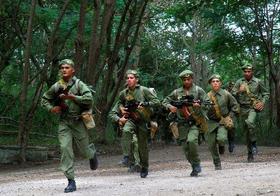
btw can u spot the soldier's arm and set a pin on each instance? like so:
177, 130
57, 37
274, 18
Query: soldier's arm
85, 96
167, 100
115, 112
152, 99
264, 92
235, 89
234, 106
48, 98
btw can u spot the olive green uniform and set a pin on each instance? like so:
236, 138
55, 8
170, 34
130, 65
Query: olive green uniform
71, 127
115, 114
188, 130
138, 127
255, 91
217, 133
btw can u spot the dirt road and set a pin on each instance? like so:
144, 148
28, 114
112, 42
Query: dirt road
168, 175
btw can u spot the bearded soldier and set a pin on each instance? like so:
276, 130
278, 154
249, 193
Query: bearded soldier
251, 94
220, 117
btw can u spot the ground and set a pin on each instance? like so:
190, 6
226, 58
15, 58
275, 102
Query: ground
168, 175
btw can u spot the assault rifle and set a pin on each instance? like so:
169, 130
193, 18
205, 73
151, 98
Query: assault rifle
132, 106
189, 100
60, 102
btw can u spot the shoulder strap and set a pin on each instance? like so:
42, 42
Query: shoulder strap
216, 106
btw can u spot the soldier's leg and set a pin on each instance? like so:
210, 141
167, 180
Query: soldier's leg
67, 155
192, 152
212, 145
81, 138
127, 142
251, 126
143, 149
231, 136
221, 138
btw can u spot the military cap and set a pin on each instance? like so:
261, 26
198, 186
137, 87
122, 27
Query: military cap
247, 66
66, 61
214, 76
186, 73
133, 72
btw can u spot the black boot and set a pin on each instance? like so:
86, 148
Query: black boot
124, 161
230, 146
144, 172
93, 162
195, 171
70, 187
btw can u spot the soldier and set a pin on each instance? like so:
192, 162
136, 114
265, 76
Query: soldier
187, 121
231, 132
70, 98
251, 95
130, 159
135, 103
220, 118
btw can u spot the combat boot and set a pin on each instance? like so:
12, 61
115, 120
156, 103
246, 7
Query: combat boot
71, 187
231, 146
144, 172
124, 161
254, 148
195, 171
250, 158
93, 162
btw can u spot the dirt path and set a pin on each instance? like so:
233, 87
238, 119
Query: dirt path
168, 175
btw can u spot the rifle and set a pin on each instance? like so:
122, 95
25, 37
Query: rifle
60, 102
133, 112
190, 116
189, 100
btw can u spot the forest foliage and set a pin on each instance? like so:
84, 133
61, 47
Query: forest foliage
107, 37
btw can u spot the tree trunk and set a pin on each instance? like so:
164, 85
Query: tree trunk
23, 131
79, 43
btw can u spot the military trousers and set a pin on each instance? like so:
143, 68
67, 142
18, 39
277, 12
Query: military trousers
216, 137
71, 131
135, 142
188, 136
248, 125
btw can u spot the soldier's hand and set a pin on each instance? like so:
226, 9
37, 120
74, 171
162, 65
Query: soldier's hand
122, 121
67, 96
242, 88
173, 109
123, 110
56, 110
260, 106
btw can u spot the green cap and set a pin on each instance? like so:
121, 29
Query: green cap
186, 73
214, 76
247, 66
66, 61
133, 72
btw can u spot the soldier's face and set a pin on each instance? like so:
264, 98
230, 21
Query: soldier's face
216, 84
187, 82
67, 71
131, 81
248, 74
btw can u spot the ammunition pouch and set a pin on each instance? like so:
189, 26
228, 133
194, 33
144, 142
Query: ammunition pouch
88, 120
227, 122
